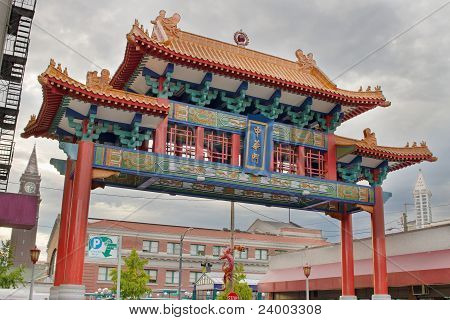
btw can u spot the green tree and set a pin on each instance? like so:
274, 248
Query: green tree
133, 279
240, 287
9, 277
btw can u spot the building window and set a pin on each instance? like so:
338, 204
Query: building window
261, 254
150, 246
280, 251
172, 277
218, 146
180, 141
194, 276
197, 250
314, 163
241, 254
104, 273
153, 274
173, 248
284, 158
217, 251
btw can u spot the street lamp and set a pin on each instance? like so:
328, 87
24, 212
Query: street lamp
181, 262
307, 272
34, 253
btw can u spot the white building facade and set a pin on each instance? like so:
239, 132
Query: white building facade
422, 202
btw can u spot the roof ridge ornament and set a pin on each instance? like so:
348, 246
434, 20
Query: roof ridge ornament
93, 81
369, 138
165, 29
306, 62
241, 38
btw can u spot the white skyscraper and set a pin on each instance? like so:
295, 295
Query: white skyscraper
422, 202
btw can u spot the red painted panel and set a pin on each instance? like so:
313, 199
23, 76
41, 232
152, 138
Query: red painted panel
18, 210
331, 158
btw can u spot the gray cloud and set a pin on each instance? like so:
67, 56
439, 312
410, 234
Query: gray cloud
413, 72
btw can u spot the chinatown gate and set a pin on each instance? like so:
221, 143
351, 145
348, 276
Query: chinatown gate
189, 115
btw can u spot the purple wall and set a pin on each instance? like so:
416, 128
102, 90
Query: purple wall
18, 210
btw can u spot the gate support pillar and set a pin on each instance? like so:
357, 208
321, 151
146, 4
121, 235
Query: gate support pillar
61, 253
72, 287
380, 280
348, 273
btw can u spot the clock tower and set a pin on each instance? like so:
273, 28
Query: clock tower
24, 240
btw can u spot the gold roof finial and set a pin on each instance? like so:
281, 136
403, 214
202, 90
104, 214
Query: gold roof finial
369, 137
306, 62
165, 29
94, 81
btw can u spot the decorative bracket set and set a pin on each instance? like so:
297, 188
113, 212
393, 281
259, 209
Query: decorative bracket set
89, 128
353, 171
202, 94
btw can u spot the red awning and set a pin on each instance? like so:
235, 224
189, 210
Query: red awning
410, 269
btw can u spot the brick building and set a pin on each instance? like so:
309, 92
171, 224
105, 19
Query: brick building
160, 245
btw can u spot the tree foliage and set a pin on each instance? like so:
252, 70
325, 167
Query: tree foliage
133, 279
9, 277
240, 287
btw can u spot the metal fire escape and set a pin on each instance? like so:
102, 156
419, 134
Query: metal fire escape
15, 53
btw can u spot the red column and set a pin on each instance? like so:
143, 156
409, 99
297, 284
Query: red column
160, 140
348, 273
235, 149
301, 160
144, 146
380, 284
76, 236
330, 161
199, 143
63, 226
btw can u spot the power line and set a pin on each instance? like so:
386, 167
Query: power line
125, 196
390, 41
57, 39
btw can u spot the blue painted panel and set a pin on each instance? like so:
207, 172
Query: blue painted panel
258, 145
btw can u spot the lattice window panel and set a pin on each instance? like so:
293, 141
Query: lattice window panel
314, 163
180, 141
217, 146
285, 158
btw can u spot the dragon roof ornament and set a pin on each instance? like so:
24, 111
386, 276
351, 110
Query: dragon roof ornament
369, 138
165, 29
306, 62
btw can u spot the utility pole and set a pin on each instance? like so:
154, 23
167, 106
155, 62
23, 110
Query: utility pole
289, 215
405, 222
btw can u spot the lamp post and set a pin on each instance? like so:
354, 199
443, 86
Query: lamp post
181, 262
34, 258
307, 272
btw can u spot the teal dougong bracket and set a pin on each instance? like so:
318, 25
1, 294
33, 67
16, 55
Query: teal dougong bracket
301, 115
350, 172
238, 102
87, 129
204, 93
336, 118
167, 87
132, 138
376, 180
273, 109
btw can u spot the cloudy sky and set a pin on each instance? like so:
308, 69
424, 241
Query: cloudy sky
413, 71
